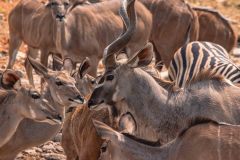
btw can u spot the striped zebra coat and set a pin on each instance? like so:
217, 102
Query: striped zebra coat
196, 58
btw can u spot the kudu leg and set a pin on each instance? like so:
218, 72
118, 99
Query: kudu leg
32, 53
14, 45
44, 61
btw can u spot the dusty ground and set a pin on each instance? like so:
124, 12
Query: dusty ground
52, 150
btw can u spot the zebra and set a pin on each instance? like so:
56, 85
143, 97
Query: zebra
197, 57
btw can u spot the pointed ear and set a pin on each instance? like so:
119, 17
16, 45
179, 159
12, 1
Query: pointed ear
17, 85
84, 67
127, 123
104, 131
39, 68
142, 58
9, 78
57, 62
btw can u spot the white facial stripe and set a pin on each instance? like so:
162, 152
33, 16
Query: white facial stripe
33, 114
115, 95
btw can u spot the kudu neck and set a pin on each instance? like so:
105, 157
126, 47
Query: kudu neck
61, 35
141, 151
150, 103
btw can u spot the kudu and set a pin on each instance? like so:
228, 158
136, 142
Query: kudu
80, 34
160, 113
79, 138
173, 24
36, 25
202, 139
62, 94
85, 84
19, 103
218, 30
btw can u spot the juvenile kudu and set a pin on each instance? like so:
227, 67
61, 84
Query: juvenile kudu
83, 31
203, 139
160, 113
61, 93
19, 103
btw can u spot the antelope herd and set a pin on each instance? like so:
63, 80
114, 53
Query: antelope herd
127, 111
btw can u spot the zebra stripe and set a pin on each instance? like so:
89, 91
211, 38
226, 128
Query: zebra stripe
196, 58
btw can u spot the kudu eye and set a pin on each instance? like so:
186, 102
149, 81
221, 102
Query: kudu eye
58, 82
54, 4
35, 95
110, 77
104, 147
93, 81
66, 4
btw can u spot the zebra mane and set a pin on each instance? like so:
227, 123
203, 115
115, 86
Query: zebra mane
207, 75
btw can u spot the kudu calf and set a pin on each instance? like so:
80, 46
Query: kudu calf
160, 113
19, 103
202, 139
85, 31
61, 93
218, 30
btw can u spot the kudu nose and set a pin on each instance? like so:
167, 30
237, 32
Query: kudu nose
80, 98
60, 17
77, 99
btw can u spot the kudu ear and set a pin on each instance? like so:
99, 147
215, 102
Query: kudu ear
104, 131
84, 67
47, 4
38, 67
17, 85
142, 58
57, 62
10, 78
127, 123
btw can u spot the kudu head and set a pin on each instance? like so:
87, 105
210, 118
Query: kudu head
84, 82
117, 76
59, 8
26, 102
113, 142
61, 84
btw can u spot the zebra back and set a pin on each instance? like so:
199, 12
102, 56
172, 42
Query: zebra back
199, 57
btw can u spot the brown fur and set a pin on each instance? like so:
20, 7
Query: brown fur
79, 130
204, 139
172, 20
218, 30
